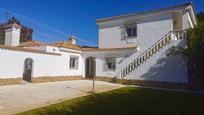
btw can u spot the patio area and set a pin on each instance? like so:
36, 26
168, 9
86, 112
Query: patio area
19, 98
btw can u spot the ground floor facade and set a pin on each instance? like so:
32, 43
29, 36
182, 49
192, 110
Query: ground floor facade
49, 64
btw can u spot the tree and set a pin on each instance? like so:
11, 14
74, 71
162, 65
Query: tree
2, 34
194, 54
13, 20
200, 16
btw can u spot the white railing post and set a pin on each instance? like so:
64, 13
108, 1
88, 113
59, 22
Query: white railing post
173, 36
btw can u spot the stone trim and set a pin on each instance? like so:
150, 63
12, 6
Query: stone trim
147, 83
10, 81
108, 79
54, 79
158, 84
17, 81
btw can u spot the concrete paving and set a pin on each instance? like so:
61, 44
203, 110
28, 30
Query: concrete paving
18, 98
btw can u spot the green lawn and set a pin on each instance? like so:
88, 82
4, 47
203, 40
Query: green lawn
128, 101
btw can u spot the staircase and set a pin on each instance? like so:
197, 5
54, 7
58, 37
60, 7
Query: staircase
136, 62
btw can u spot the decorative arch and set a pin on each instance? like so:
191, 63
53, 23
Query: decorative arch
28, 68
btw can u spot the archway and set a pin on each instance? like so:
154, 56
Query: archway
27, 73
90, 67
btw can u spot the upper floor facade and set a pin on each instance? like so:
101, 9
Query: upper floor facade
145, 28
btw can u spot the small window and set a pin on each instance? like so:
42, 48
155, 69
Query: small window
134, 31
74, 62
131, 30
111, 63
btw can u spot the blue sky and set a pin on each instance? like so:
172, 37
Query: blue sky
54, 20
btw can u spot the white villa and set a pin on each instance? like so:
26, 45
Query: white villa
132, 49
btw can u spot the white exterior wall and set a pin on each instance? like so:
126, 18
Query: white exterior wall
187, 22
100, 60
44, 65
162, 68
149, 29
66, 53
50, 49
43, 48
66, 57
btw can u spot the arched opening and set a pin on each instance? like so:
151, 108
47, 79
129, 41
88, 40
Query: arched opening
90, 67
28, 66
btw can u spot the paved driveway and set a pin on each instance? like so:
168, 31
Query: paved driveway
18, 98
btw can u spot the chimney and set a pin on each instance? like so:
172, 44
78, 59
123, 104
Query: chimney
72, 39
12, 34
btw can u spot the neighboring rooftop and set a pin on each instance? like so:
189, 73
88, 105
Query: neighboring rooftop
65, 45
31, 43
147, 12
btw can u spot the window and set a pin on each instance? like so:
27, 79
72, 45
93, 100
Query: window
74, 62
130, 30
111, 63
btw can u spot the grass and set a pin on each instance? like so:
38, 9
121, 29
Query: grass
128, 101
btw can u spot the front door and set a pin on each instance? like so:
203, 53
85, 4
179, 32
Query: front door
90, 67
28, 65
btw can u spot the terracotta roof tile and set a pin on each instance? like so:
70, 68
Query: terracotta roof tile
31, 43
65, 45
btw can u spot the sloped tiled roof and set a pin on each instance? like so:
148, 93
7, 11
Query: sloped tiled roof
31, 43
81, 48
65, 45
146, 12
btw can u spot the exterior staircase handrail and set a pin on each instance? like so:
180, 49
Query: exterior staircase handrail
125, 69
133, 55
